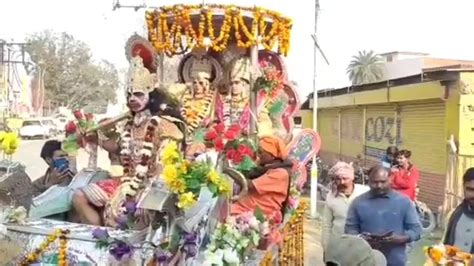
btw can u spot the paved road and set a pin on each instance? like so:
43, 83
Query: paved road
29, 155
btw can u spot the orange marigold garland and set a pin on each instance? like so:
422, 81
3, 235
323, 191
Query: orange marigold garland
169, 41
38, 252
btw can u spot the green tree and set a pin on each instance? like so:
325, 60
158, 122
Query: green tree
365, 67
72, 78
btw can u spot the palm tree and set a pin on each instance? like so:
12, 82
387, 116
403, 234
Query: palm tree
366, 67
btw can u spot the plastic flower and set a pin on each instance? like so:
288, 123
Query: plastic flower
176, 185
213, 177
186, 200
120, 250
170, 153
170, 172
231, 256
100, 234
224, 187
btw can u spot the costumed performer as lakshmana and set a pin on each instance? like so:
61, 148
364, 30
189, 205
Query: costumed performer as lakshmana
150, 127
233, 107
198, 101
269, 183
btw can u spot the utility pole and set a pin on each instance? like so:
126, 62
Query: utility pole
314, 165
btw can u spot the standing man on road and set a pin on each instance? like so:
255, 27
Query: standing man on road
460, 228
385, 218
337, 202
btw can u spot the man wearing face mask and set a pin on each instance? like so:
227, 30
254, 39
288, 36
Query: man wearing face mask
59, 172
338, 200
460, 228
385, 218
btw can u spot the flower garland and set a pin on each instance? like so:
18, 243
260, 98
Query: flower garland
446, 255
37, 253
134, 171
169, 40
130, 185
185, 178
195, 111
272, 81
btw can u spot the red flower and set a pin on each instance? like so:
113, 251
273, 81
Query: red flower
210, 135
219, 128
232, 133
237, 158
89, 116
244, 150
70, 128
219, 144
78, 115
230, 154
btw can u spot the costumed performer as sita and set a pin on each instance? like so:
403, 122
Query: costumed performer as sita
198, 100
153, 124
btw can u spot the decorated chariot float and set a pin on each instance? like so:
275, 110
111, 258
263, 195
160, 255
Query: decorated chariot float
179, 173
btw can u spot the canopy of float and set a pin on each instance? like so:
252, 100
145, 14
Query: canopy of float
180, 28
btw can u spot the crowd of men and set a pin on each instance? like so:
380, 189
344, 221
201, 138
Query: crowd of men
378, 225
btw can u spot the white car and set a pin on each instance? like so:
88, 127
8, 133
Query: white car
34, 128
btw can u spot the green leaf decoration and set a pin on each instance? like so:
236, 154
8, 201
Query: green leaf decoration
259, 214
70, 144
199, 135
101, 244
193, 184
276, 108
246, 164
212, 188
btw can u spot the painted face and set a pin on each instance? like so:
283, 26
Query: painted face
379, 182
137, 101
237, 86
200, 86
469, 192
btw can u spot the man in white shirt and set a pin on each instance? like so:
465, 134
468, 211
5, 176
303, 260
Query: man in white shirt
338, 200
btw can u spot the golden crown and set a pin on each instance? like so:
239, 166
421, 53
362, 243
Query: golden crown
139, 78
241, 69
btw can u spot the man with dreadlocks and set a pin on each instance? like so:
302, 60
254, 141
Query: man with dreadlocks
154, 123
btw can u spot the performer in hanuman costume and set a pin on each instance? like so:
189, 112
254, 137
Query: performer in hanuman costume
153, 125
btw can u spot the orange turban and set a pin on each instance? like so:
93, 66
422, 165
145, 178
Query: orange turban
275, 146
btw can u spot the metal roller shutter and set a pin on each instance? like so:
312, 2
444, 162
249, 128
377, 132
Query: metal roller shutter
352, 132
328, 126
381, 130
423, 133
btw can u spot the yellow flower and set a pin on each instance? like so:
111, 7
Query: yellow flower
172, 180
213, 177
170, 153
184, 167
186, 200
224, 188
169, 172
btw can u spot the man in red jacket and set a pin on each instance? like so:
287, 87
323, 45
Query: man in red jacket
404, 177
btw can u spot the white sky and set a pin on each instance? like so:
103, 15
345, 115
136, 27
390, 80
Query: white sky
442, 28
